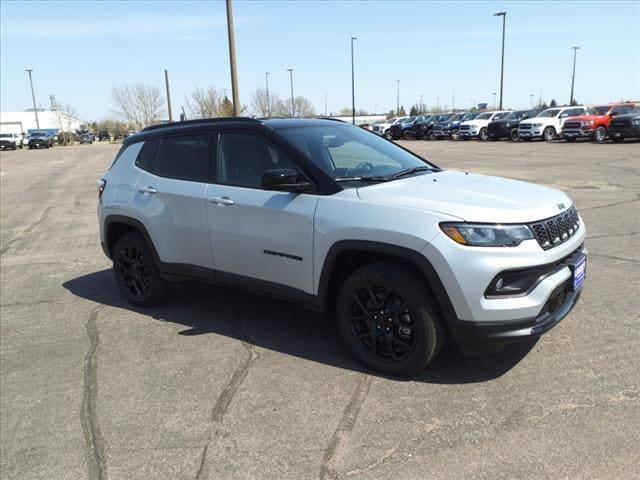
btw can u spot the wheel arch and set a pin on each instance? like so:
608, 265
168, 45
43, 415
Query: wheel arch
346, 256
117, 225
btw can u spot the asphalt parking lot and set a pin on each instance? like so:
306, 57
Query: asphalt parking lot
222, 384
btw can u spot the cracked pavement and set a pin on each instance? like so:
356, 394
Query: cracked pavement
220, 384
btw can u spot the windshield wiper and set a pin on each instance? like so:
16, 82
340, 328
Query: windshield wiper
362, 179
411, 171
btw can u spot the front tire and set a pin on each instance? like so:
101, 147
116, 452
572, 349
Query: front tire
137, 273
454, 134
483, 134
407, 135
513, 135
388, 319
549, 134
600, 134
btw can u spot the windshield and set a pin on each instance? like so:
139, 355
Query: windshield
402, 119
38, 134
501, 115
484, 116
552, 112
599, 110
347, 152
446, 116
469, 116
457, 117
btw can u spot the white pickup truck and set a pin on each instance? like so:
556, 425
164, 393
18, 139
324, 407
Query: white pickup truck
10, 141
548, 124
383, 128
477, 128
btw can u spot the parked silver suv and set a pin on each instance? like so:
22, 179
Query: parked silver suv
341, 220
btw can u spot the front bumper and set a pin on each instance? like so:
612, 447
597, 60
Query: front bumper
560, 304
577, 133
7, 144
628, 132
468, 133
466, 273
38, 143
533, 133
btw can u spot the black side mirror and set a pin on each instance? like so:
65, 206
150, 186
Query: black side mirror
284, 180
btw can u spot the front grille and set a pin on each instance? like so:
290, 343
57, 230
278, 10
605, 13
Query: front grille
464, 128
620, 124
437, 128
569, 125
556, 230
525, 126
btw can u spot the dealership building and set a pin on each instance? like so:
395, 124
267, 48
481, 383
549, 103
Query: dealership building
51, 121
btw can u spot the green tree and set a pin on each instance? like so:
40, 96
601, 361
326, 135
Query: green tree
402, 112
415, 110
553, 103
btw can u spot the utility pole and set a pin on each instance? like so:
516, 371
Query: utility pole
573, 76
52, 101
494, 100
453, 101
438, 104
232, 60
504, 20
266, 76
325, 105
531, 101
398, 99
33, 97
421, 107
353, 86
293, 108
166, 82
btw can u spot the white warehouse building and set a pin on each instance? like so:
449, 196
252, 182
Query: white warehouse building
50, 120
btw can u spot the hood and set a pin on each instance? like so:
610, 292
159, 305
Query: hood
585, 118
470, 197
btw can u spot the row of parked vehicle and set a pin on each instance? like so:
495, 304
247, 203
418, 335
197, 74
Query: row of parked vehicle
44, 139
615, 121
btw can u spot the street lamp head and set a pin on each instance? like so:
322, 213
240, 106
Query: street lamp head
289, 69
500, 14
576, 48
354, 38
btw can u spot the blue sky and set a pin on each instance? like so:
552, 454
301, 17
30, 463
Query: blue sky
79, 50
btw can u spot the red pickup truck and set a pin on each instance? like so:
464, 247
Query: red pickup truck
595, 123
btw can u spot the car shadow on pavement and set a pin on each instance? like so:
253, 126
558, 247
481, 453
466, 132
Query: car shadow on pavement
283, 327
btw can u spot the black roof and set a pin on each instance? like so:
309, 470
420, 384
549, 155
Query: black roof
274, 123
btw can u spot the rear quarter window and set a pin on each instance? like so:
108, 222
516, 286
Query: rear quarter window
127, 155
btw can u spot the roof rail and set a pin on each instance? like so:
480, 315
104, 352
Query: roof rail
200, 121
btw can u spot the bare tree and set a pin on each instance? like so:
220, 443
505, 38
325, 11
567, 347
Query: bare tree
262, 104
204, 103
139, 105
302, 108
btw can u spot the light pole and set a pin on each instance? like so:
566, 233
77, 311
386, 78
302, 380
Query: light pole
266, 76
325, 105
438, 104
573, 76
33, 97
531, 101
453, 101
166, 82
398, 99
376, 109
494, 100
232, 60
504, 20
353, 86
293, 111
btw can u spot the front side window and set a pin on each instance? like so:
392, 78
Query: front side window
244, 157
344, 152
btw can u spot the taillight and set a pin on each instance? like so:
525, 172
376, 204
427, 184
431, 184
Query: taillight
102, 184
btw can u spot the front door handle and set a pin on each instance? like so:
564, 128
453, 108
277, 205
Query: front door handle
148, 189
223, 201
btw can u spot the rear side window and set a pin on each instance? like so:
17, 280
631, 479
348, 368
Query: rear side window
127, 154
184, 157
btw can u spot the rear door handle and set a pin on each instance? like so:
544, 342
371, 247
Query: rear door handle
147, 190
223, 201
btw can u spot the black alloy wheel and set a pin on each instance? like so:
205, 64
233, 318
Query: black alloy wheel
513, 134
133, 272
382, 322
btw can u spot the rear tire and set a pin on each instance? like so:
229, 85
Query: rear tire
137, 273
388, 319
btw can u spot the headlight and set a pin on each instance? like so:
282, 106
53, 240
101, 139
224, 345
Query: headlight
483, 235
636, 122
536, 124
589, 123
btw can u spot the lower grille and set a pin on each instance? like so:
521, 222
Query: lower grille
620, 124
464, 128
576, 125
556, 230
525, 126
